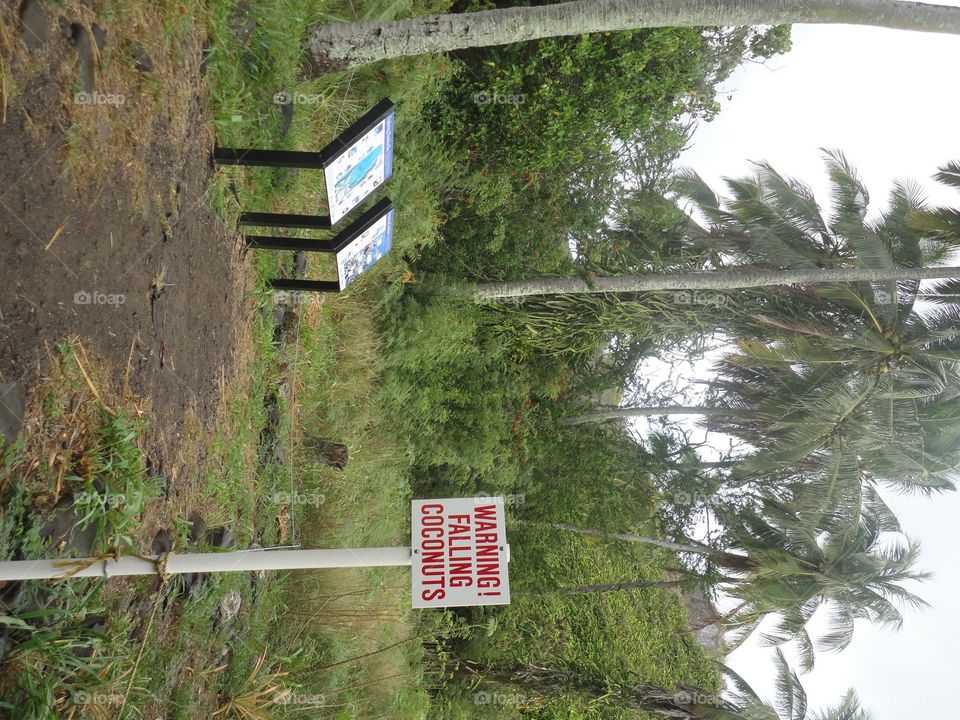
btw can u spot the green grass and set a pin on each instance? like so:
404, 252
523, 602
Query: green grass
57, 649
385, 368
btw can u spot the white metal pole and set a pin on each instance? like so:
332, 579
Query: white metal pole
173, 563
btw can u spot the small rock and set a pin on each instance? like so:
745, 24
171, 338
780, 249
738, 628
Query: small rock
273, 411
198, 528
299, 264
96, 623
153, 465
220, 537
141, 59
286, 120
154, 468
13, 401
33, 24
230, 606
99, 36
189, 581
205, 54
162, 542
63, 531
242, 21
86, 67
66, 29
10, 594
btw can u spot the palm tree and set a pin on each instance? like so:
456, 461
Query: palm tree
740, 702
777, 564
716, 280
339, 45
844, 383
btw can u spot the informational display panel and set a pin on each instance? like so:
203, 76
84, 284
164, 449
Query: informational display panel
460, 553
363, 166
368, 247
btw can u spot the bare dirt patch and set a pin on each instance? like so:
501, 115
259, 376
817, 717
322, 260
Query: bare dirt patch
105, 230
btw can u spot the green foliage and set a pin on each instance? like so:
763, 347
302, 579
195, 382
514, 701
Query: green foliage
59, 657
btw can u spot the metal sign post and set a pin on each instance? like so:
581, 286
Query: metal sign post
357, 248
354, 164
459, 557
175, 564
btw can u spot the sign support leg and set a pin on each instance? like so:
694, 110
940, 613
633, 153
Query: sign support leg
174, 563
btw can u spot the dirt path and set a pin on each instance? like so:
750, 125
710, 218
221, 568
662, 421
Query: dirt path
105, 231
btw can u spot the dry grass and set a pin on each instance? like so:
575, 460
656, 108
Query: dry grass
156, 105
263, 689
8, 46
62, 420
148, 113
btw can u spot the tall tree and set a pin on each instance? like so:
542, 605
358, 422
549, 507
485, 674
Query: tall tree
739, 702
777, 563
851, 381
338, 45
718, 280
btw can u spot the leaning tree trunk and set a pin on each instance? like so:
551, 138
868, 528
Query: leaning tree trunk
613, 413
329, 453
685, 703
715, 280
731, 561
627, 585
339, 45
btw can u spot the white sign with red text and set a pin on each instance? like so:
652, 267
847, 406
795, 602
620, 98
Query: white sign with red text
460, 553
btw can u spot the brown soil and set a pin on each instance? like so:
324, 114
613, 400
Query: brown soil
105, 231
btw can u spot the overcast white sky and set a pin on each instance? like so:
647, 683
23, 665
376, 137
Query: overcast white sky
890, 101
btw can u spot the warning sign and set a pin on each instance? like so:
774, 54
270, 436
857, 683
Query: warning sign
460, 553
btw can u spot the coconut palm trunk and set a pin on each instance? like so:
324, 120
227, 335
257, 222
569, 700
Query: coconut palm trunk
727, 560
614, 413
334, 46
626, 585
685, 703
717, 280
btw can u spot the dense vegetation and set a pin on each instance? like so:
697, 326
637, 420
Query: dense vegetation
508, 158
